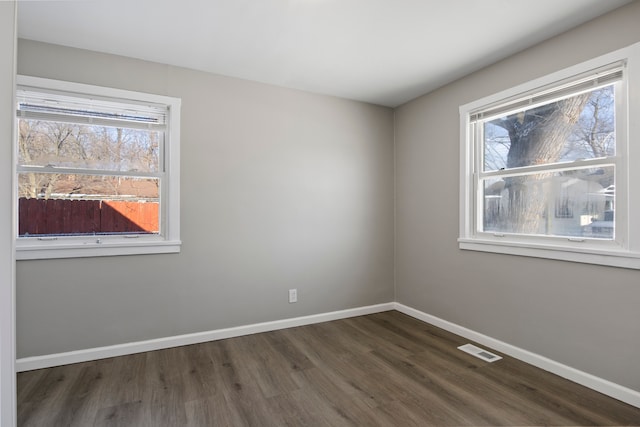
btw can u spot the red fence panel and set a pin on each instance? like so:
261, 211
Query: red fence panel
122, 216
63, 216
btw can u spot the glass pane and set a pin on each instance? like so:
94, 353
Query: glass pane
44, 143
579, 127
60, 204
577, 203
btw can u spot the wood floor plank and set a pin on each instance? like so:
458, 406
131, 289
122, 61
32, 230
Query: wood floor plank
577, 403
385, 369
164, 388
123, 380
241, 383
48, 383
472, 408
334, 366
353, 368
351, 407
295, 358
41, 397
378, 337
78, 406
304, 407
201, 373
122, 415
262, 365
214, 410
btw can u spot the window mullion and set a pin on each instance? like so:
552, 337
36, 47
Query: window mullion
89, 121
552, 167
78, 171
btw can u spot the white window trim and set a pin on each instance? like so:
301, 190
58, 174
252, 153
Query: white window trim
625, 251
168, 241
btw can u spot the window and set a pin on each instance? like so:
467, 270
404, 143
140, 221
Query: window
97, 171
545, 166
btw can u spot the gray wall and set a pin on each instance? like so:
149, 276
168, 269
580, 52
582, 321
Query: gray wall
581, 315
280, 189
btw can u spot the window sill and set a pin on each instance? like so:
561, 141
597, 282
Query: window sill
105, 248
612, 258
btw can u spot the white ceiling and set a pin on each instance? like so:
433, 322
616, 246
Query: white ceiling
380, 51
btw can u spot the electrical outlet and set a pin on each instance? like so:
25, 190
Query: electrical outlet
293, 295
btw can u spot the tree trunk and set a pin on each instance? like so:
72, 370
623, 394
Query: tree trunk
537, 137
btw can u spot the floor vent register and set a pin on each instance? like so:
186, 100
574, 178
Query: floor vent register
485, 355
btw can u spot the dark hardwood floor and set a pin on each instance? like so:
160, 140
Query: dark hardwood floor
385, 369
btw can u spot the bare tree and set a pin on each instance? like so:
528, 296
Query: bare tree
596, 130
57, 144
27, 185
536, 137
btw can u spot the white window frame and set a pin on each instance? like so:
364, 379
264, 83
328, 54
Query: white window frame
168, 239
624, 251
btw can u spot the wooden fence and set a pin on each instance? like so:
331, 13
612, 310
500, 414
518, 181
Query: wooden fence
62, 216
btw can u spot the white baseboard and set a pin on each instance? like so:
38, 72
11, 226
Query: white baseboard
624, 394
609, 388
47, 361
